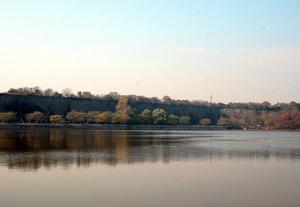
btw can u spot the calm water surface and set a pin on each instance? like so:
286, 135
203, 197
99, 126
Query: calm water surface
89, 168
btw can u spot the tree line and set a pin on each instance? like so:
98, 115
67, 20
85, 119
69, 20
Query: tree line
232, 115
68, 93
287, 116
124, 114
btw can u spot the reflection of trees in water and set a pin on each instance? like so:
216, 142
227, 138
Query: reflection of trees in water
32, 149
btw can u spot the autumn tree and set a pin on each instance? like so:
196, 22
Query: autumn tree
123, 111
223, 121
104, 117
57, 119
288, 119
8, 116
119, 118
90, 116
35, 117
205, 122
228, 122
76, 116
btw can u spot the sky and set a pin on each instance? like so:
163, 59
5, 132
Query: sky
234, 50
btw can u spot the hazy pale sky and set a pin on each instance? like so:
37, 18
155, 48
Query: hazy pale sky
236, 50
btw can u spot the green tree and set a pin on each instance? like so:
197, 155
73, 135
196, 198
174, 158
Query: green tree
159, 116
104, 117
57, 119
173, 119
8, 116
133, 116
184, 120
146, 117
35, 117
205, 122
76, 117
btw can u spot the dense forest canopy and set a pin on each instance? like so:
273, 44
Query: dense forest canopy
132, 109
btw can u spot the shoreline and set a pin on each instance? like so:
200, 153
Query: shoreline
110, 126
130, 127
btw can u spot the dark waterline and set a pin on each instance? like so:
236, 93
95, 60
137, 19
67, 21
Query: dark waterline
67, 167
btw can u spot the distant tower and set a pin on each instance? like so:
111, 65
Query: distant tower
211, 99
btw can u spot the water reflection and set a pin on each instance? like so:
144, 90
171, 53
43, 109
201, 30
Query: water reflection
30, 149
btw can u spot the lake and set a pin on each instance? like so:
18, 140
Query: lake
77, 168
